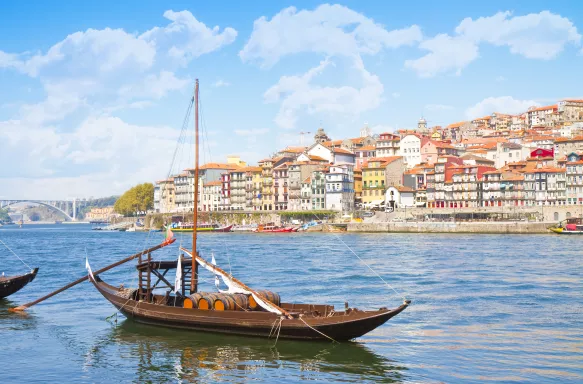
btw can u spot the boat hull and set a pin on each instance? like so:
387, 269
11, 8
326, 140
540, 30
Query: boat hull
341, 326
11, 285
563, 231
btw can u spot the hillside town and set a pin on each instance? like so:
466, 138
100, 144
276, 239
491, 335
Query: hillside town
533, 158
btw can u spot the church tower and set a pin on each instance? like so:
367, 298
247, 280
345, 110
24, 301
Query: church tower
321, 136
365, 131
422, 125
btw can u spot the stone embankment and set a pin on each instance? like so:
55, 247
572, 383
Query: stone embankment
453, 227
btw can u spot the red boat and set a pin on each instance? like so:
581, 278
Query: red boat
269, 228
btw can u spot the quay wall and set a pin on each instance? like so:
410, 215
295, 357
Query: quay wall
452, 227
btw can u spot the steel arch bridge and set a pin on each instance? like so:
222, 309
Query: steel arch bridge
66, 207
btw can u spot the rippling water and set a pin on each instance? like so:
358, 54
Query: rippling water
500, 308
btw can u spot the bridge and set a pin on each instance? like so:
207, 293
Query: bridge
68, 208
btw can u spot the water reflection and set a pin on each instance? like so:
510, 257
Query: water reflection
163, 354
15, 321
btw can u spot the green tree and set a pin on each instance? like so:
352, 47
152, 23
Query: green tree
138, 199
4, 217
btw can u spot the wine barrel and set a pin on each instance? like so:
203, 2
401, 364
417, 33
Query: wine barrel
191, 301
269, 295
207, 300
231, 302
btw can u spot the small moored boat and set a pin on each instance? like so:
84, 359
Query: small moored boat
13, 284
270, 228
571, 226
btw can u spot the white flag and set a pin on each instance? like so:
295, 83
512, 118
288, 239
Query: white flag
217, 281
178, 279
88, 267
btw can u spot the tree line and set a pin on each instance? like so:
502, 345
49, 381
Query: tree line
137, 200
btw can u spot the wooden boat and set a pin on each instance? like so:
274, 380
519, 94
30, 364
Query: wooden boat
13, 284
268, 317
270, 228
202, 228
571, 226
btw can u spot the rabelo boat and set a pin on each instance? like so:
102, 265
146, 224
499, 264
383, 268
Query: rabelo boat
239, 310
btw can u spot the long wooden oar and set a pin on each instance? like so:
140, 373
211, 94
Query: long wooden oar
145, 252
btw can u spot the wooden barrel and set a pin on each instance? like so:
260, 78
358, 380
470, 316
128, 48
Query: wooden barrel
231, 302
191, 301
207, 300
269, 295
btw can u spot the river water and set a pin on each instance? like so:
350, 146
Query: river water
498, 308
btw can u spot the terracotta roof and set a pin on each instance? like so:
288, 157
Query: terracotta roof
456, 125
342, 150
385, 160
294, 149
217, 166
565, 139
316, 158
366, 148
545, 108
212, 183
307, 180
574, 100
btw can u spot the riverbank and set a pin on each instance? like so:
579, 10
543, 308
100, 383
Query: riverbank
453, 227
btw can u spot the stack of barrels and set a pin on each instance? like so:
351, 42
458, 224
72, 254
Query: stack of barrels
228, 301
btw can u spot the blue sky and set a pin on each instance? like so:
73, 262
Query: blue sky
93, 95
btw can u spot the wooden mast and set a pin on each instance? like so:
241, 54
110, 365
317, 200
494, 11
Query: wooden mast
194, 265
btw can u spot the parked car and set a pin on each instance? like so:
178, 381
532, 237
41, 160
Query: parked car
368, 214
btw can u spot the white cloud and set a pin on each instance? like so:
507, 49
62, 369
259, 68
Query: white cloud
502, 104
68, 141
446, 53
186, 38
221, 83
438, 107
328, 29
535, 36
154, 86
500, 79
251, 132
298, 93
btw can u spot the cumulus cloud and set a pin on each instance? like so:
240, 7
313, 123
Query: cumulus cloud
298, 93
70, 139
328, 29
502, 104
534, 36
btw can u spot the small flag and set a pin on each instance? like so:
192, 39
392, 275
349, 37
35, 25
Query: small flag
169, 233
217, 281
178, 278
88, 267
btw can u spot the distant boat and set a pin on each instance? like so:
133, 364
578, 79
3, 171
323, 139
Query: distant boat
245, 228
571, 226
13, 284
271, 228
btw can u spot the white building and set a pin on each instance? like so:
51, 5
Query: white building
410, 147
340, 188
306, 194
211, 196
400, 197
